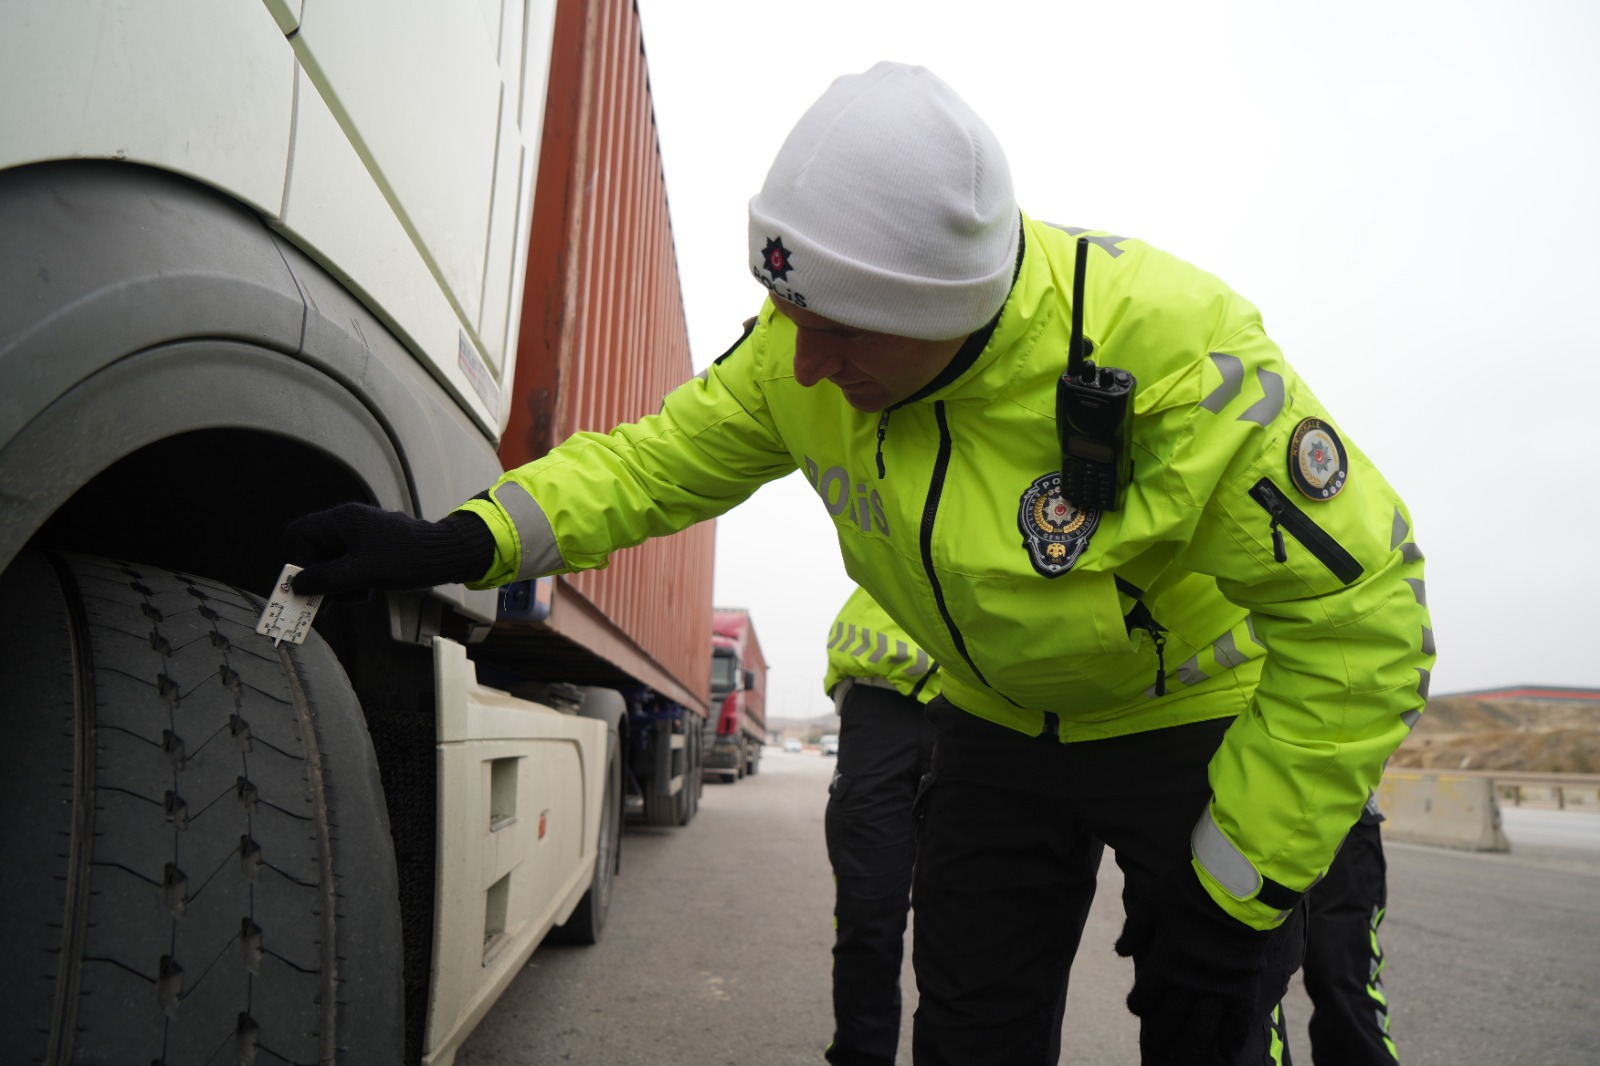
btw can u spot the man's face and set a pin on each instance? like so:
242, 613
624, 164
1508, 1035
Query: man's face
873, 370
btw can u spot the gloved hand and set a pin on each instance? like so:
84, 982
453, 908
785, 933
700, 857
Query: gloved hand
1198, 974
354, 547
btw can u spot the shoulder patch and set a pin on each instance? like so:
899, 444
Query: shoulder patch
1055, 531
1318, 463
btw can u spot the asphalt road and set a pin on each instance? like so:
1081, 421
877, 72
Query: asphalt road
717, 950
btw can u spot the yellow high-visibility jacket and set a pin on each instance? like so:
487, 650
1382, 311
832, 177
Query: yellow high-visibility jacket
866, 643
1261, 567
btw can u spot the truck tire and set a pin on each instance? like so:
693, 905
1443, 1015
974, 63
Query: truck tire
695, 774
680, 807
588, 920
201, 868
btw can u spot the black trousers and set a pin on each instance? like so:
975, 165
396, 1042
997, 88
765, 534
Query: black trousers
885, 746
1010, 840
1343, 971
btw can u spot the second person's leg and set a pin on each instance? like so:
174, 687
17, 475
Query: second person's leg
871, 833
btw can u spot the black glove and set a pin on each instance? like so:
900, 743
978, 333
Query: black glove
1197, 976
354, 547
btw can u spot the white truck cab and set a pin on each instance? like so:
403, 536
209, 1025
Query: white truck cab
258, 257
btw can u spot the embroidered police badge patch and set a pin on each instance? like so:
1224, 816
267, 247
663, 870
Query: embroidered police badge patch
1054, 530
776, 259
1318, 463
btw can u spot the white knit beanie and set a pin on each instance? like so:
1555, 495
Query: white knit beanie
889, 208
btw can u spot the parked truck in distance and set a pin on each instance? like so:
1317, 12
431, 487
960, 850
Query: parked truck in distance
259, 258
736, 732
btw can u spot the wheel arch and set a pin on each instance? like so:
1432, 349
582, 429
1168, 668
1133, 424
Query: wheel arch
138, 306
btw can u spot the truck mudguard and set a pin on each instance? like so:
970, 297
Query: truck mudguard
111, 317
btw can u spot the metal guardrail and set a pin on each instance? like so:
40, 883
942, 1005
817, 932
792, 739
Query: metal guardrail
1519, 787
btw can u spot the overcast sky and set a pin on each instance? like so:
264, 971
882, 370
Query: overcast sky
1410, 192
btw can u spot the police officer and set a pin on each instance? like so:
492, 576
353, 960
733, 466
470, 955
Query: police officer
879, 681
1207, 674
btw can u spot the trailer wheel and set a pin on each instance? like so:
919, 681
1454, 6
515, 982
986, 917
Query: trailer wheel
687, 796
696, 778
203, 870
679, 807
588, 920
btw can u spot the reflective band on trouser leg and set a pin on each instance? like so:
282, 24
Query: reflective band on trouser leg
1380, 999
538, 553
1278, 1037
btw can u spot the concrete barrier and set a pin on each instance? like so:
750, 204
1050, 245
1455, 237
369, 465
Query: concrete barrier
1444, 809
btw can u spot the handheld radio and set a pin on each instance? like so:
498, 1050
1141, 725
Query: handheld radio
1094, 416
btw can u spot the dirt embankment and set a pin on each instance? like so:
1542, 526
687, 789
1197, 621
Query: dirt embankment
1545, 736
1536, 736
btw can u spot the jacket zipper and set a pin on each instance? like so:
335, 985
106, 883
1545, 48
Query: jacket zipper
1313, 538
930, 510
1139, 617
883, 431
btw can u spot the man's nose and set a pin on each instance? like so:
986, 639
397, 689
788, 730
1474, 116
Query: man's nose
814, 358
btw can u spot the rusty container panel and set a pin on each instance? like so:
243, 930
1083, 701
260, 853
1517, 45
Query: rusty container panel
603, 339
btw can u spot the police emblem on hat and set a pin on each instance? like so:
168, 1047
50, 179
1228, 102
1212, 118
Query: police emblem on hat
1054, 529
775, 259
1318, 463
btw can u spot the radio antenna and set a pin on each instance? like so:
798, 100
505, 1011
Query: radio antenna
1077, 348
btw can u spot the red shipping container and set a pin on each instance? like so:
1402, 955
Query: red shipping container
603, 339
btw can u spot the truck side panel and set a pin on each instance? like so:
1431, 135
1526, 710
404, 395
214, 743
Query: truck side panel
364, 65
270, 129
515, 852
459, 204
93, 98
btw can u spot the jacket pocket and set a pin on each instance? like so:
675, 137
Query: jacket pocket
1312, 537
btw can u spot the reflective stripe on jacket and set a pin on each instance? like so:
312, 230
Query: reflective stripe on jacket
1220, 588
866, 643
